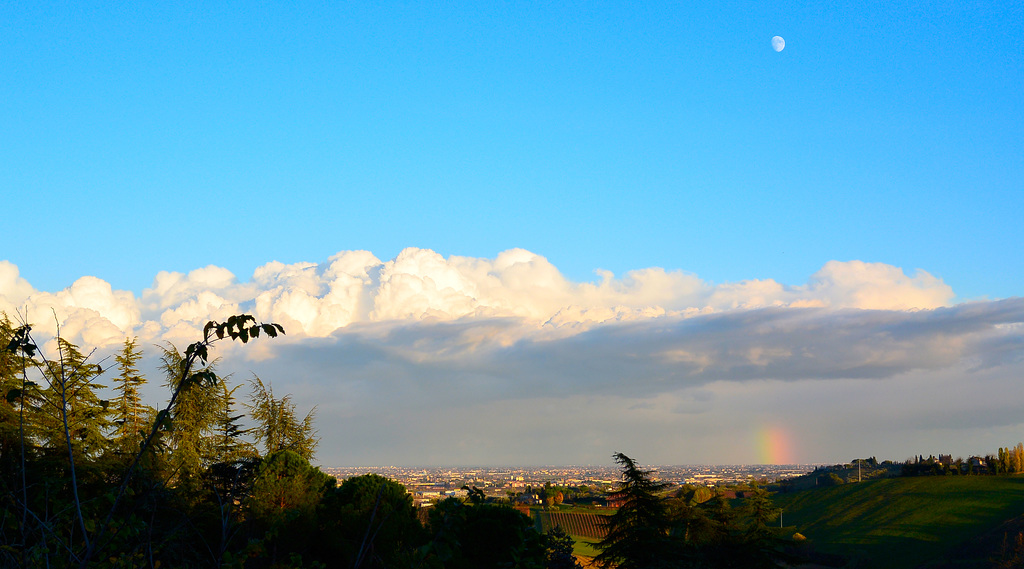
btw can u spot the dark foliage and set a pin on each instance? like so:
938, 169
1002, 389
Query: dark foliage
693, 528
481, 536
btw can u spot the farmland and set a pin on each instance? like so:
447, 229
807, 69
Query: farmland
907, 522
584, 525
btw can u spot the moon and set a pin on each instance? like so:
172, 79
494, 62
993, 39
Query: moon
778, 44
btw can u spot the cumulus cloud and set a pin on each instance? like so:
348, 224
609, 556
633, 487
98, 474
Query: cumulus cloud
857, 284
88, 311
419, 285
14, 290
439, 338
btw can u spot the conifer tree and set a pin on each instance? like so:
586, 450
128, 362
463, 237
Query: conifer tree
761, 541
131, 417
192, 421
71, 412
226, 438
559, 550
638, 531
11, 396
277, 426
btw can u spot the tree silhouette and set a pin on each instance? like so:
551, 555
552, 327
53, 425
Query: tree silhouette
638, 531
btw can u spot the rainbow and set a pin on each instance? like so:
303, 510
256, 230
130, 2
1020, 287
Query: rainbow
774, 445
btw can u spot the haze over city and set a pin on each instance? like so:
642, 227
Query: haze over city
531, 234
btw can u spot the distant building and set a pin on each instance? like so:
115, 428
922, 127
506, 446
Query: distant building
528, 499
977, 465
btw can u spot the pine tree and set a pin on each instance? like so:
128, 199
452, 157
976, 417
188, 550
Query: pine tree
277, 425
71, 412
226, 439
559, 550
192, 420
761, 541
131, 418
637, 535
11, 396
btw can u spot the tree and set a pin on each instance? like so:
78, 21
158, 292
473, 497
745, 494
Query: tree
481, 536
373, 521
761, 541
79, 508
277, 425
286, 482
73, 418
130, 416
283, 501
687, 520
637, 535
226, 437
191, 421
721, 536
18, 397
559, 546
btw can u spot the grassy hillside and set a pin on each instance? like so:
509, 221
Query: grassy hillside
904, 522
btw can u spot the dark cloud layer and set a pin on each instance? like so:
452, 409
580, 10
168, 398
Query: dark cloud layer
662, 354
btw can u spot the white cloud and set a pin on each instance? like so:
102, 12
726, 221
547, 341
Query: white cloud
88, 311
312, 299
172, 288
14, 290
448, 340
879, 286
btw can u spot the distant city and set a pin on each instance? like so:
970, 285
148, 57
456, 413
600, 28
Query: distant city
428, 485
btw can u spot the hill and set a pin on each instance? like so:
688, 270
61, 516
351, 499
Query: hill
930, 521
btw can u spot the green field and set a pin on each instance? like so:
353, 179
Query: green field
904, 522
585, 547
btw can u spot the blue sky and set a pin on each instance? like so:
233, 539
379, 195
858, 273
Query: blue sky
136, 139
601, 135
